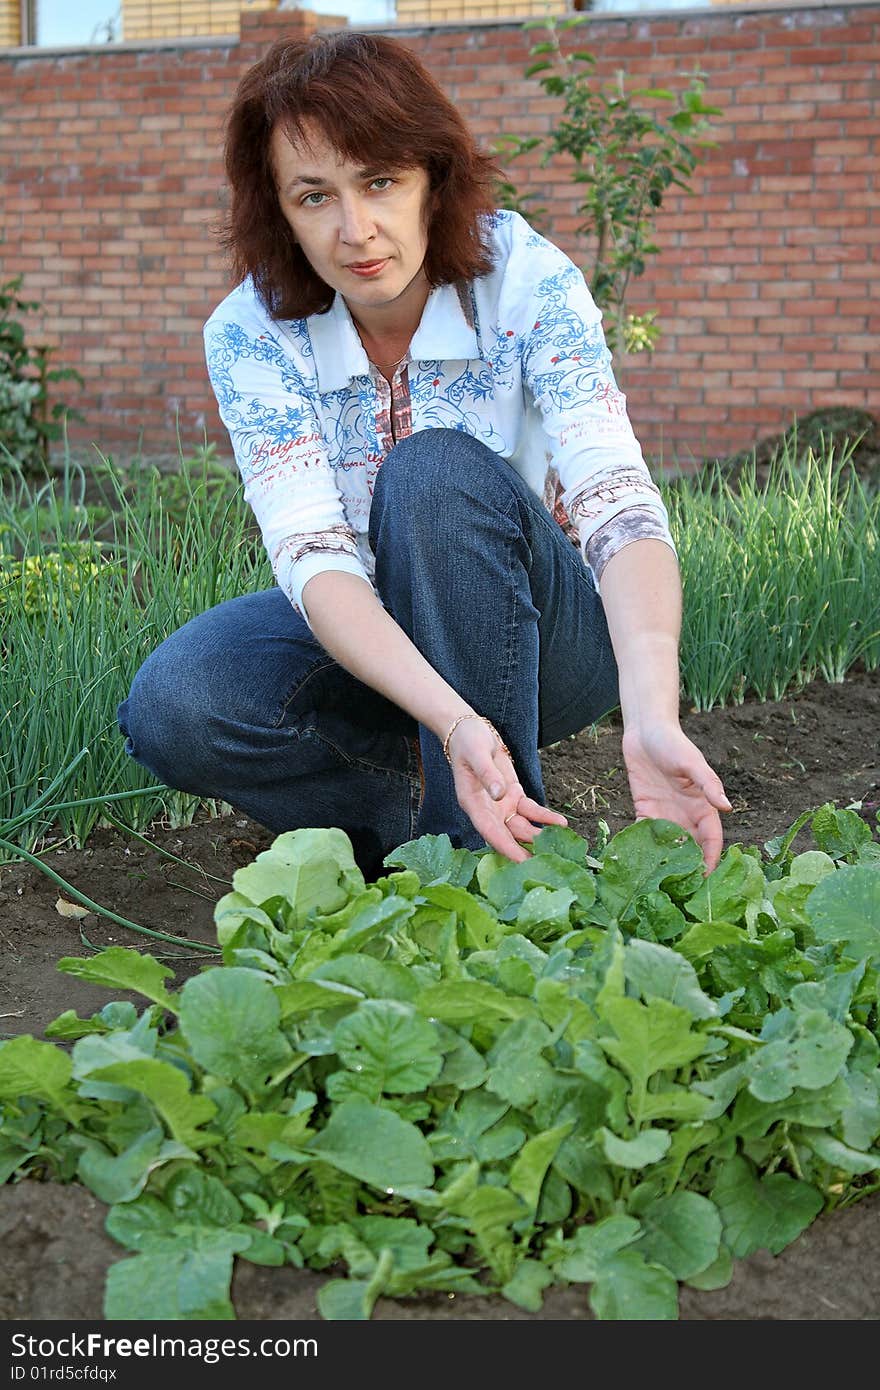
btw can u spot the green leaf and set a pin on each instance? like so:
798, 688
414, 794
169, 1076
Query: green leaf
845, 907
230, 1019
727, 891
390, 1046
434, 860
482, 930
122, 968
700, 941
31, 1068
302, 996
839, 833
810, 1053
648, 1147
135, 1224
517, 1070
762, 1213
375, 1145
645, 856
681, 1232
469, 1001
186, 1279
348, 1300
527, 1174
303, 871
167, 1088
593, 1246
377, 979
232, 911
526, 1287
650, 1037
121, 1178
628, 1289
660, 973
490, 1213
839, 1155
544, 908
717, 1275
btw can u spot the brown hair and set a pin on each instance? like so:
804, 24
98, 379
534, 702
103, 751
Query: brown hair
374, 102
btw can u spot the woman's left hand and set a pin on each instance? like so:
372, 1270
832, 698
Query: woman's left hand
670, 780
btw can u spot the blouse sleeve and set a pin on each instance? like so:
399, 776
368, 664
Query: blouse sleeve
281, 455
567, 369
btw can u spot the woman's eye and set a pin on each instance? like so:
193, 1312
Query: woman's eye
384, 180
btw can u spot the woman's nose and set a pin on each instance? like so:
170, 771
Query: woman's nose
356, 224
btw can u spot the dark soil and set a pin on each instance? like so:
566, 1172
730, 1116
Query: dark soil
776, 760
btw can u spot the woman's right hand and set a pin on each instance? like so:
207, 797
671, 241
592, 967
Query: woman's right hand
490, 794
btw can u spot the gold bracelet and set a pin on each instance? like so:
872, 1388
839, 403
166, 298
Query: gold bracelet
455, 724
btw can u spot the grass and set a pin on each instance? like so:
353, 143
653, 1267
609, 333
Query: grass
781, 583
68, 660
781, 580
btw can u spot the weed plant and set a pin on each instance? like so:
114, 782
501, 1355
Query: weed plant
781, 582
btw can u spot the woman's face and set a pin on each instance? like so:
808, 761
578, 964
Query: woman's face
362, 229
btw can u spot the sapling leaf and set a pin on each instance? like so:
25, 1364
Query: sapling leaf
377, 979
482, 929
490, 1213
701, 940
166, 1087
31, 1068
725, 894
120, 1177
517, 1070
810, 1052
466, 1001
650, 1037
302, 996
528, 1172
860, 1118
186, 1279
373, 1144
122, 968
657, 972
648, 1147
629, 1289
717, 1275
230, 1020
580, 1259
845, 907
346, 1300
526, 1286
840, 833
434, 860
836, 1154
389, 1044
681, 1232
762, 1213
646, 855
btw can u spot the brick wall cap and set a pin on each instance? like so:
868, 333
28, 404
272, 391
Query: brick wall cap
512, 22
659, 11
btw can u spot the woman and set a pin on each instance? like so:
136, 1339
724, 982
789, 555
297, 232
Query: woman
422, 408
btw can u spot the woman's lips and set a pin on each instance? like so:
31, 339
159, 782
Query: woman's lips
368, 268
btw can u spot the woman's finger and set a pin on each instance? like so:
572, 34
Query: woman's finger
534, 811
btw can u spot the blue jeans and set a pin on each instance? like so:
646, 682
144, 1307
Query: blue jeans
243, 703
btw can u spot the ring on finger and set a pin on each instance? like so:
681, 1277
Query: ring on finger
508, 819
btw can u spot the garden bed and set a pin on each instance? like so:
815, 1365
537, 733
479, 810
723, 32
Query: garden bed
777, 759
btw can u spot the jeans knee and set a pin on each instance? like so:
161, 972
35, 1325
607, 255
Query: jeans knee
164, 726
434, 476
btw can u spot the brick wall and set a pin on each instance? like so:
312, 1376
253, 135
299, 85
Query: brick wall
768, 298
